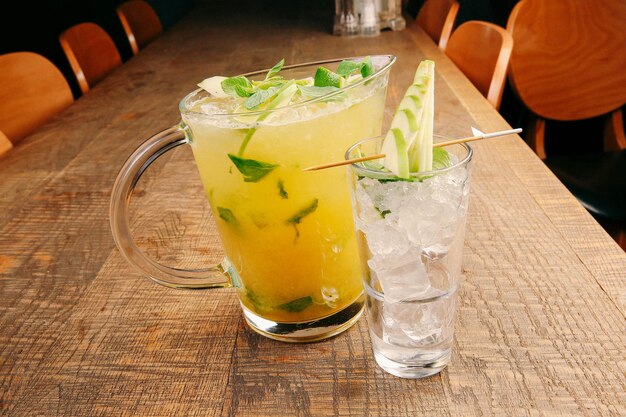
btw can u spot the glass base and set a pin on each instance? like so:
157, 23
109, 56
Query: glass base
416, 369
311, 331
397, 24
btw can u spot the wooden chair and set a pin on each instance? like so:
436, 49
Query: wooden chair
482, 51
437, 18
513, 16
32, 90
5, 144
568, 64
91, 53
140, 22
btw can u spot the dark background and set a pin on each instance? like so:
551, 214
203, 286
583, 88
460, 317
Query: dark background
577, 137
35, 26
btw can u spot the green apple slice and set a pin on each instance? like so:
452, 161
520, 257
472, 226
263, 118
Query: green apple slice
406, 121
396, 153
421, 149
411, 102
412, 121
213, 86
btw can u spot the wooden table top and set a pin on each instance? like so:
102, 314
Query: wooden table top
541, 316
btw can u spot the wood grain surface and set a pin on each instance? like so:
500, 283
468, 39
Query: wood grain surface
569, 51
541, 315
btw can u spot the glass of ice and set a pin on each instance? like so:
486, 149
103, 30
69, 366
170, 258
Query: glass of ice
410, 235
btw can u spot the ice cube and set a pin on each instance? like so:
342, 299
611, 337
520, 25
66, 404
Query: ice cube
330, 296
441, 281
366, 212
416, 323
401, 276
384, 239
419, 227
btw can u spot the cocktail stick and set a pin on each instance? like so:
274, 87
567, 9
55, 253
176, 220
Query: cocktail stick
435, 145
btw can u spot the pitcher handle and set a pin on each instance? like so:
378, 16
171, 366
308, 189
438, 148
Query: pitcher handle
134, 167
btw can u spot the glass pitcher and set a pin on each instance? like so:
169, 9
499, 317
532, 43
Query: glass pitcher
287, 234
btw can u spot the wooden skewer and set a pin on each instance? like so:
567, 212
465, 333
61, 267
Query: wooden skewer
346, 162
435, 145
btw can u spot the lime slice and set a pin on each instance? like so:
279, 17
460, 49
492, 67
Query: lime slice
213, 86
326, 78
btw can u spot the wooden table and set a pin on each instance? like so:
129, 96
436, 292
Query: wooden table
541, 316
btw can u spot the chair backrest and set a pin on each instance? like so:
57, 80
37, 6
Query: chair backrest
5, 144
140, 22
568, 62
482, 51
569, 57
437, 18
32, 90
91, 53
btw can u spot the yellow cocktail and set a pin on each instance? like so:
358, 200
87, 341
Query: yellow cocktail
288, 233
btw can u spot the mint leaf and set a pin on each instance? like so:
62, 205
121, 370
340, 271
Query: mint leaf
297, 218
383, 213
259, 305
367, 68
441, 158
284, 95
251, 169
347, 68
311, 91
275, 69
243, 91
226, 215
395, 179
281, 190
260, 97
297, 305
237, 86
374, 166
